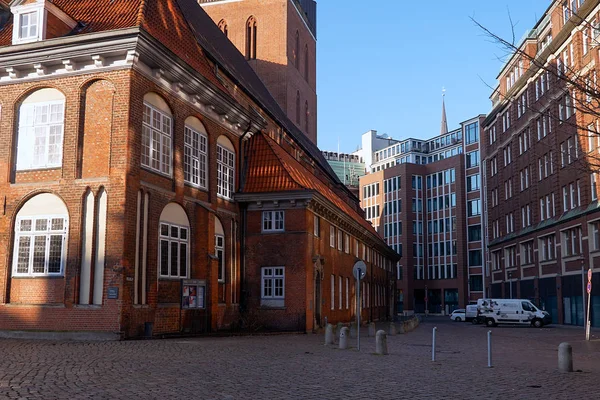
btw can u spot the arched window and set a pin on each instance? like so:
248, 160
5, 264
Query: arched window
224, 28
251, 39
306, 62
306, 117
298, 107
41, 127
157, 132
195, 153
220, 248
225, 168
297, 51
41, 230
174, 238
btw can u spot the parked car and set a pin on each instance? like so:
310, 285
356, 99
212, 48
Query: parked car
458, 315
511, 311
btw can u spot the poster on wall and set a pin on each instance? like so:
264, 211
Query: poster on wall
193, 294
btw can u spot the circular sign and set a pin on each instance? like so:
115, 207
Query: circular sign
590, 274
589, 287
359, 270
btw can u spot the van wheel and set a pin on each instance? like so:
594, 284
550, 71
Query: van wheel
490, 322
537, 323
458, 319
474, 321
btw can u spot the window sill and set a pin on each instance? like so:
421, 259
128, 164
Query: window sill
53, 168
272, 231
88, 306
171, 279
268, 308
197, 187
229, 199
37, 276
574, 257
547, 262
150, 169
530, 265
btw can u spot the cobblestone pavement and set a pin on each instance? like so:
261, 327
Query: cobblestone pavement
301, 367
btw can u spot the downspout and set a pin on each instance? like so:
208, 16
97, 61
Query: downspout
241, 163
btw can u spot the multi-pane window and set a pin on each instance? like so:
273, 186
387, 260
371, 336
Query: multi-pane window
273, 283
28, 25
317, 226
472, 159
594, 230
173, 250
273, 221
156, 140
220, 253
594, 185
40, 142
473, 182
225, 172
340, 292
332, 296
511, 256
496, 260
332, 236
40, 246
475, 258
474, 207
346, 243
340, 237
194, 159
571, 241
527, 252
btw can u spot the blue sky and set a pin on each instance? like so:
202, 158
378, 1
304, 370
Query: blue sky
382, 64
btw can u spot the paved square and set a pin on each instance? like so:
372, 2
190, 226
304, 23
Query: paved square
301, 367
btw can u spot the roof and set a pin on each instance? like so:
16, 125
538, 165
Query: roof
272, 169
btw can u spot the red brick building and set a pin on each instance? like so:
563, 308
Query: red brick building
279, 40
541, 167
424, 198
126, 133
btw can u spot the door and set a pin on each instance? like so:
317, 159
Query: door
317, 300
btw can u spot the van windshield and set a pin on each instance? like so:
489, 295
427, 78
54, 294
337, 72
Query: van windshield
527, 306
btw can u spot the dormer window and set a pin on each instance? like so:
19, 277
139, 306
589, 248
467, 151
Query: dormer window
28, 26
36, 20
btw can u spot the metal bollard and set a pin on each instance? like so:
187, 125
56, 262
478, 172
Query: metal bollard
381, 343
433, 344
392, 331
344, 333
489, 337
329, 338
565, 357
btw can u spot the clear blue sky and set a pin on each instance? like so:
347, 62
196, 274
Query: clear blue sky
382, 64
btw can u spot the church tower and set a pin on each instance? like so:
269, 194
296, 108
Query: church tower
279, 40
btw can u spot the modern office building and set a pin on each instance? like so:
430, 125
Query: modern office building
424, 198
348, 168
541, 143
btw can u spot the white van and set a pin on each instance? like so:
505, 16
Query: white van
511, 311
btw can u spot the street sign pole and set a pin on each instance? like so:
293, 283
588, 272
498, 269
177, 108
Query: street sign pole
359, 271
589, 292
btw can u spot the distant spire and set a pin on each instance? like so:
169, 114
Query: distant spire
444, 128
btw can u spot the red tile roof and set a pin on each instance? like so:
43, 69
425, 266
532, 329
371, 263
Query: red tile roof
272, 169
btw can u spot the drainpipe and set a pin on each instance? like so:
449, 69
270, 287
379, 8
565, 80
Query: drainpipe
241, 163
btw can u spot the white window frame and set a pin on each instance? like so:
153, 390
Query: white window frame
273, 221
317, 226
47, 234
170, 240
225, 172
332, 236
34, 124
157, 140
195, 160
272, 285
39, 18
340, 290
594, 187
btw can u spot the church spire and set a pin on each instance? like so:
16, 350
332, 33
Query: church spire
444, 128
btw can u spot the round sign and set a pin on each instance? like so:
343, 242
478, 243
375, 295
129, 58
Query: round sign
590, 274
589, 287
359, 270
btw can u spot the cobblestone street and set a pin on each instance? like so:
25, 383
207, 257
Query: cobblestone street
300, 366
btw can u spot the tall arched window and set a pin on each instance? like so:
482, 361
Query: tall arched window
174, 239
195, 154
41, 127
251, 38
297, 51
298, 107
306, 62
220, 248
224, 28
225, 168
41, 230
306, 116
157, 132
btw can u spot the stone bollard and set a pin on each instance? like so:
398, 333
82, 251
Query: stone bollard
381, 343
401, 328
329, 338
344, 333
372, 330
353, 330
565, 357
392, 331
338, 328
